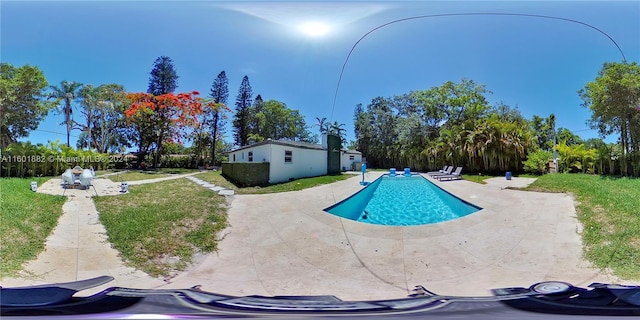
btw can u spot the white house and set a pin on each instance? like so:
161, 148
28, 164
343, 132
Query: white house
290, 160
348, 159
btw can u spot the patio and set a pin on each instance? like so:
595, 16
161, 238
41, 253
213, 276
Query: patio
284, 244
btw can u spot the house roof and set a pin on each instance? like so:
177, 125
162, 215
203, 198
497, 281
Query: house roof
296, 144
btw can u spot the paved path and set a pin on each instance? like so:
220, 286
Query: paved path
220, 190
285, 244
78, 247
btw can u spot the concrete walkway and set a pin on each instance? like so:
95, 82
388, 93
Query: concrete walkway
285, 244
78, 247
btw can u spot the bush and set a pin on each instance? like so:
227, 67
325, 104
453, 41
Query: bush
23, 159
177, 161
537, 162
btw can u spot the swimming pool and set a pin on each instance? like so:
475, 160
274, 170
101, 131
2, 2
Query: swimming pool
402, 201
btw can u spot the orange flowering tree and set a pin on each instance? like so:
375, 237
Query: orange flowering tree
162, 118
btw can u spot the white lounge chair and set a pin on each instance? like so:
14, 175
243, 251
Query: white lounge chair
447, 172
443, 170
85, 180
456, 175
67, 180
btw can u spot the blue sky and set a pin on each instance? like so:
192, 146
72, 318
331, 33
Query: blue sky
535, 64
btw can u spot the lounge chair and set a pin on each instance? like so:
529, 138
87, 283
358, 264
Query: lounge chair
85, 180
445, 173
68, 180
456, 175
443, 170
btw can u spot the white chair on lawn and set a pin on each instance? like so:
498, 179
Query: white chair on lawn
67, 180
86, 180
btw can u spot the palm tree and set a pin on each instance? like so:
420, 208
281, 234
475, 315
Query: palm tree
322, 124
67, 92
337, 129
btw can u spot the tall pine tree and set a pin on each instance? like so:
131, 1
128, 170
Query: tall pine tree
255, 122
220, 94
241, 119
163, 79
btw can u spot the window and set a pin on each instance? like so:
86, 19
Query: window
288, 155
250, 156
352, 157
234, 157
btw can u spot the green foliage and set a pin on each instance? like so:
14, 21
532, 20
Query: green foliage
177, 161
451, 124
27, 220
163, 77
163, 80
242, 117
215, 118
103, 121
65, 94
614, 100
544, 129
24, 159
567, 137
338, 129
537, 161
575, 158
173, 147
22, 101
273, 119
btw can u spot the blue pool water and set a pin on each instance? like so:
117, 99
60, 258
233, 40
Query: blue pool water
402, 201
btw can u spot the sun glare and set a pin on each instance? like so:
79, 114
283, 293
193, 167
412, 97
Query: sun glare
314, 29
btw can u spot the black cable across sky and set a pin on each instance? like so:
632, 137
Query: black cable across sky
344, 65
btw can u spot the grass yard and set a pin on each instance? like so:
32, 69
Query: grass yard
135, 175
216, 178
158, 227
609, 209
26, 220
476, 178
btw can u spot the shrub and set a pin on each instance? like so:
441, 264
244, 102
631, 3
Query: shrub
537, 161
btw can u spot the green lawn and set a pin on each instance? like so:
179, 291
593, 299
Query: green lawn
216, 178
609, 209
136, 175
26, 220
157, 230
476, 178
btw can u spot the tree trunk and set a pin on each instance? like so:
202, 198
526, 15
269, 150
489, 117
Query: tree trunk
214, 138
156, 157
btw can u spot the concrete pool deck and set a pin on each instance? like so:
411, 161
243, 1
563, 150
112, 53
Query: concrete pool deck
285, 244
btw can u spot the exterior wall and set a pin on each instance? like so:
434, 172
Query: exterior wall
260, 154
304, 163
345, 162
